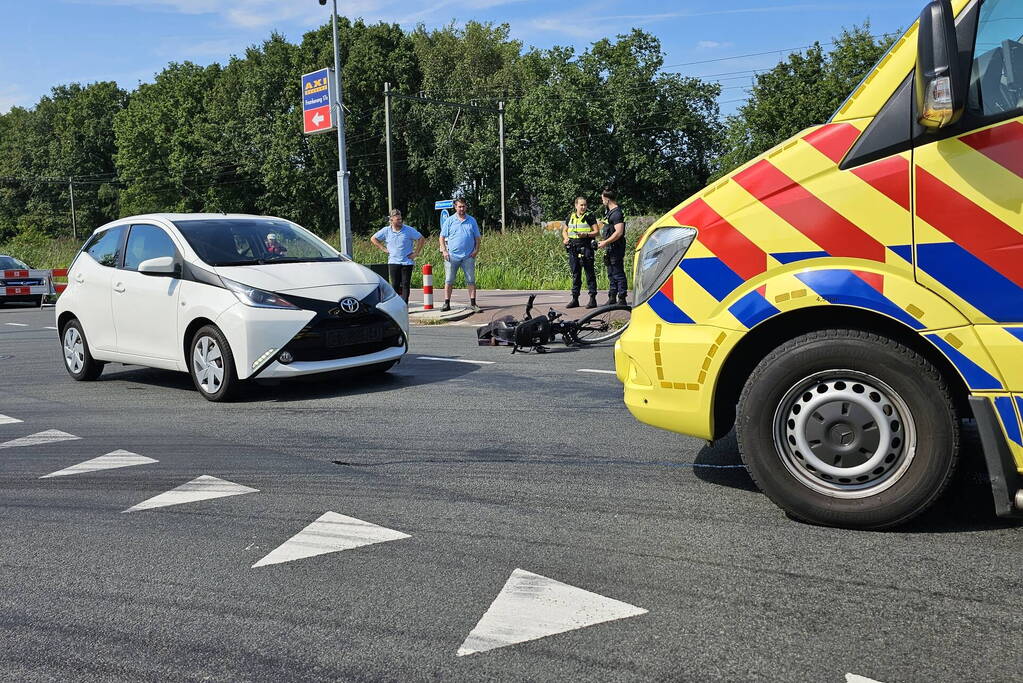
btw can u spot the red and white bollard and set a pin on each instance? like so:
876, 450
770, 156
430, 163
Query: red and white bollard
427, 287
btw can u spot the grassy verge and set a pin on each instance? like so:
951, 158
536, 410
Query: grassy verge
526, 258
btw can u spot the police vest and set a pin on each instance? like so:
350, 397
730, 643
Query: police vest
578, 227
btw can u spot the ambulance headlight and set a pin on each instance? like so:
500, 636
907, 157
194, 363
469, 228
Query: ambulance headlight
658, 257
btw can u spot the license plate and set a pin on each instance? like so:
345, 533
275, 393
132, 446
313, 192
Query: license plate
359, 335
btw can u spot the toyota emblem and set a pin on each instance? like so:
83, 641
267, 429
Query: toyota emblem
349, 304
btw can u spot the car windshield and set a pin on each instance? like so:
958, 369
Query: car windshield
11, 263
253, 241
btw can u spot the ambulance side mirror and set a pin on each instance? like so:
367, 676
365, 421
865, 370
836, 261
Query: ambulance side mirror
940, 95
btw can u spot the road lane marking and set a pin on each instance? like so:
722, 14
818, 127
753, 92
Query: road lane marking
17, 324
49, 328
599, 372
8, 420
854, 678
330, 533
531, 606
457, 360
110, 461
200, 488
40, 438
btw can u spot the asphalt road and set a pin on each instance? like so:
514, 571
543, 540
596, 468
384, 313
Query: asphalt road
484, 469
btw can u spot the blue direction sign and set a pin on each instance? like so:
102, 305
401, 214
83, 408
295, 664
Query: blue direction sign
444, 204
317, 95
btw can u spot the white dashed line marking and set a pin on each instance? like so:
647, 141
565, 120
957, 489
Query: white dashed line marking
598, 372
8, 420
110, 461
531, 606
854, 678
17, 324
49, 328
457, 360
330, 533
49, 436
200, 488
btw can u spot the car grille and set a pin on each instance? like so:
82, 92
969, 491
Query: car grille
345, 337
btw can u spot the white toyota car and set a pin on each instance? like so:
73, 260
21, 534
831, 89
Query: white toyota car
226, 298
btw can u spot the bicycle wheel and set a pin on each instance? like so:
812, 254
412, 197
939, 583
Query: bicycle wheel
603, 325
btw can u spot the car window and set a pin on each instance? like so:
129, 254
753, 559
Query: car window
146, 242
105, 247
11, 263
245, 241
996, 80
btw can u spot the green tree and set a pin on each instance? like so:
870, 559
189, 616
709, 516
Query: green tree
800, 92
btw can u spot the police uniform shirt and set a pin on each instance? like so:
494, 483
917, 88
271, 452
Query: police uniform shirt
574, 219
612, 218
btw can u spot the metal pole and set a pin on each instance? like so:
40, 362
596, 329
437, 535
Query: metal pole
344, 220
387, 134
74, 222
500, 129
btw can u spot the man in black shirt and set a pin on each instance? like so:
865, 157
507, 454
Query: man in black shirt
613, 243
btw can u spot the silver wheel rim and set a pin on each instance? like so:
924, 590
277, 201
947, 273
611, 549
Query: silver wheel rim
845, 434
208, 364
74, 350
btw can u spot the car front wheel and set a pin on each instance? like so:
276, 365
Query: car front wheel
211, 365
847, 428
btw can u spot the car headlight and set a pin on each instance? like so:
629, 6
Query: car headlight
258, 298
385, 292
659, 256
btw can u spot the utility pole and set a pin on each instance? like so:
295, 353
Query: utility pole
390, 160
500, 133
74, 222
457, 105
344, 219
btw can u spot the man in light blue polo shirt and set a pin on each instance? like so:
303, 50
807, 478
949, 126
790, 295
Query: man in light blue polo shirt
459, 243
402, 244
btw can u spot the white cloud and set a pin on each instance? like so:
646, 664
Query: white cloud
13, 96
712, 45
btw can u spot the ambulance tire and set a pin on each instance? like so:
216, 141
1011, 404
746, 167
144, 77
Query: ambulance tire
846, 428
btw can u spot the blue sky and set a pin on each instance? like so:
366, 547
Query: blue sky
47, 42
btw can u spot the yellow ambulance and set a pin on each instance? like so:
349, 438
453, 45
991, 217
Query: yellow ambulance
847, 298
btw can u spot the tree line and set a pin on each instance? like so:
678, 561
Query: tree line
229, 137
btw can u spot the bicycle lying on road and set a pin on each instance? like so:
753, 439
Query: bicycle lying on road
534, 333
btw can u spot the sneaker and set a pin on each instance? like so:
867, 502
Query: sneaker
574, 303
446, 306
592, 303
476, 309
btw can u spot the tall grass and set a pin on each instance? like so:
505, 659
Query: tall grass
523, 258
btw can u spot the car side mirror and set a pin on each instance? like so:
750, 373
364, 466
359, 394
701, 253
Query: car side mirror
940, 93
164, 266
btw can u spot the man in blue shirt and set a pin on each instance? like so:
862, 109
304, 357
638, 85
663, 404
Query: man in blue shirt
402, 244
459, 243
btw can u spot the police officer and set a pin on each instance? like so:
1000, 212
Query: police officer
578, 233
613, 243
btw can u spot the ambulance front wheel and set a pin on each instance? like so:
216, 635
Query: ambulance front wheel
850, 429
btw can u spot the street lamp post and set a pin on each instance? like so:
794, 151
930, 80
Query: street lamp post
344, 219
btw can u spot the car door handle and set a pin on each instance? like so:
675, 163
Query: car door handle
119, 287
79, 278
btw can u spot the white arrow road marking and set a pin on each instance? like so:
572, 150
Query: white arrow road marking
8, 420
531, 606
49, 436
200, 488
18, 324
110, 461
330, 533
599, 372
457, 360
853, 678
317, 118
